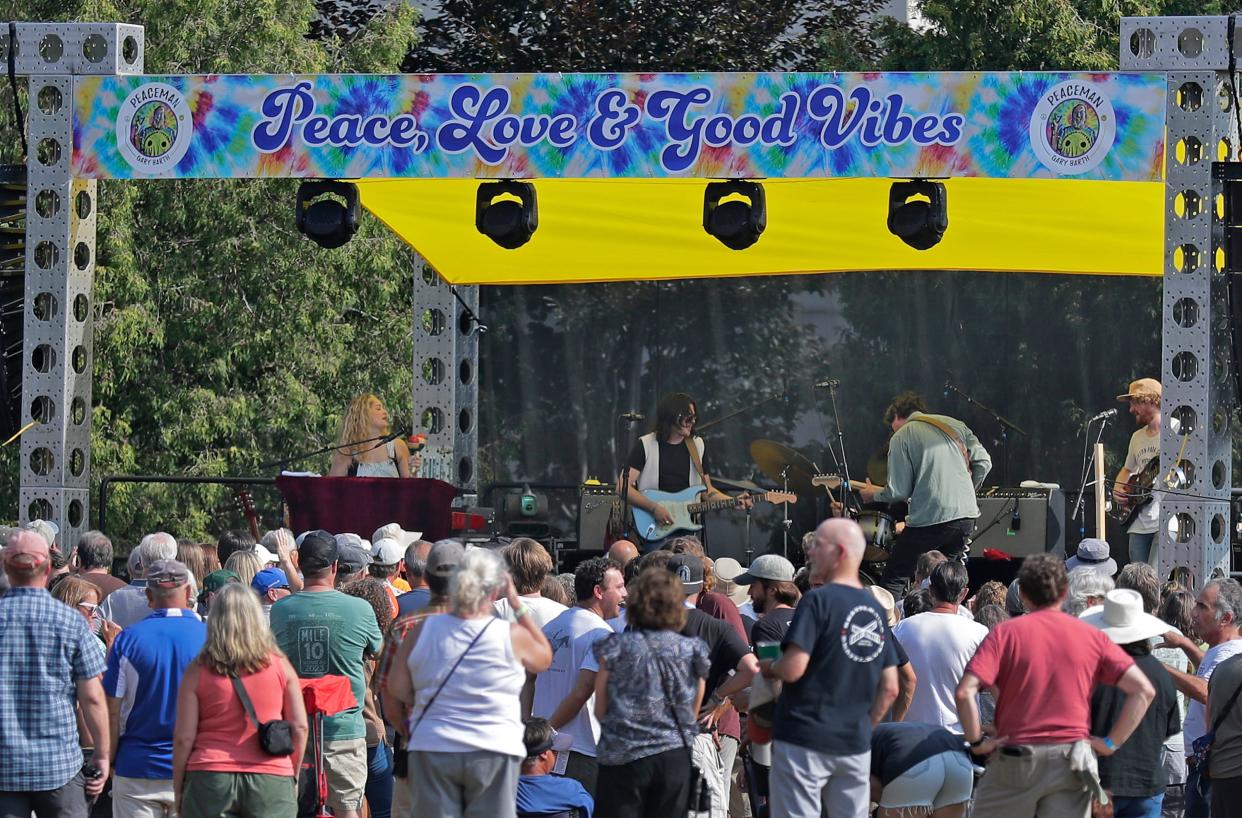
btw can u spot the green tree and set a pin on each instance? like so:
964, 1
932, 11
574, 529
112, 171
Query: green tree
223, 337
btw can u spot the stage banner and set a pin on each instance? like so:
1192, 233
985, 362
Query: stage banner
790, 126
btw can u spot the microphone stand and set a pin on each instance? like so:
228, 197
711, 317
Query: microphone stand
623, 478
847, 491
1006, 425
703, 427
379, 440
1088, 459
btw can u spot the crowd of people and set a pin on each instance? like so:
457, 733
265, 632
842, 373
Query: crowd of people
330, 674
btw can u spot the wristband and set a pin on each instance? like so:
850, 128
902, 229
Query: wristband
1108, 742
522, 611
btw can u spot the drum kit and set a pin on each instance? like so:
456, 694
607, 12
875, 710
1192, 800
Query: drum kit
791, 470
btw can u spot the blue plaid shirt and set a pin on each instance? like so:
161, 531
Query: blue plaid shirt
45, 648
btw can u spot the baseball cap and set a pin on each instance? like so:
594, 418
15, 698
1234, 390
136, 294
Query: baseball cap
690, 568
1093, 555
387, 551
772, 567
557, 741
26, 549
444, 558
353, 557
47, 529
167, 574
218, 579
265, 556
1142, 388
317, 551
394, 531
269, 578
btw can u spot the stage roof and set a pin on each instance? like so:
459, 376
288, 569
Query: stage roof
646, 229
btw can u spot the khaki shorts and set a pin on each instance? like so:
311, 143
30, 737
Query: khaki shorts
345, 763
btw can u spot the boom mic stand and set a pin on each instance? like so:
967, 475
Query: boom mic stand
1006, 425
1088, 459
847, 492
379, 440
623, 477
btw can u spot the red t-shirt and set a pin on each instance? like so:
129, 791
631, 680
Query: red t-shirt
227, 741
1045, 665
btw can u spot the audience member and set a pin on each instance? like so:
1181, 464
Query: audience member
1183, 576
648, 692
272, 586
840, 677
468, 728
1043, 666
144, 671
563, 691
387, 556
538, 792
923, 567
1013, 600
279, 543
554, 588
1087, 588
1214, 619
528, 563
212, 584
886, 601
128, 605
939, 644
1224, 691
989, 616
1141, 577
907, 679
93, 557
622, 552
245, 564
1175, 609
230, 541
326, 633
989, 593
49, 661
379, 789
727, 571
1093, 554
919, 769
352, 559
191, 556
83, 597
915, 603
416, 574
220, 766
1134, 775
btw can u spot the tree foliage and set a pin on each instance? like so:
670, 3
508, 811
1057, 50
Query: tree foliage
223, 337
635, 35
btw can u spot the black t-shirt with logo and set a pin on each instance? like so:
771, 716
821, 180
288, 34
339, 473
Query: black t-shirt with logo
772, 626
725, 648
675, 465
829, 709
1135, 771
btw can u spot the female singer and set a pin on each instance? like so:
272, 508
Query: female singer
367, 419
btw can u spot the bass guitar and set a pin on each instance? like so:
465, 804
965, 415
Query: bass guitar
1136, 493
683, 505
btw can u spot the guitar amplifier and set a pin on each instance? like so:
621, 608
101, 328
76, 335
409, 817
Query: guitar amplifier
596, 504
1021, 522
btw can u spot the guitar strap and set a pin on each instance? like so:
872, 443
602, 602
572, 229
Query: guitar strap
948, 432
694, 458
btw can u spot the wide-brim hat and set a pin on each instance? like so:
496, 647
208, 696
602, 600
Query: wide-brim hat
1142, 388
1122, 619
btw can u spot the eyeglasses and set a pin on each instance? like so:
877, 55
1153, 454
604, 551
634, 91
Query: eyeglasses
690, 418
89, 608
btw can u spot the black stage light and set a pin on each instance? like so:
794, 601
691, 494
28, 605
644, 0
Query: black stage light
919, 223
323, 217
508, 221
737, 223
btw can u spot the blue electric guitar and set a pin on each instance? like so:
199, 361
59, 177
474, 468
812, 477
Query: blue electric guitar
683, 505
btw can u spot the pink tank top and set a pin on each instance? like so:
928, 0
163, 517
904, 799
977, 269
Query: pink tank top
227, 741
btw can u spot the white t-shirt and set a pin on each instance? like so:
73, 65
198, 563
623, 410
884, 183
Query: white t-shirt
1143, 447
1196, 720
543, 609
571, 635
939, 646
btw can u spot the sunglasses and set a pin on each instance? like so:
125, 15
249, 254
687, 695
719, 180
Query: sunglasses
89, 607
691, 418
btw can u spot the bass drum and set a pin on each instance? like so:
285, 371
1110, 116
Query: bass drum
878, 529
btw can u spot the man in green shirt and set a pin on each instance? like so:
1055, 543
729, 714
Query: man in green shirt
936, 463
326, 633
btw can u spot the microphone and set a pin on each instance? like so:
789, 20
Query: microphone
1107, 413
632, 417
831, 383
391, 436
948, 387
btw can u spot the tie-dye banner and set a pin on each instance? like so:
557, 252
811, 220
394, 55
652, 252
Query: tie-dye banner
1000, 125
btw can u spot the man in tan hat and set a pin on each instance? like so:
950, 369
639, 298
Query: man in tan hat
1144, 398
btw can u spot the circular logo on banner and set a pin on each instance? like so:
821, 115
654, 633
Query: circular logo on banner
154, 127
1073, 127
862, 636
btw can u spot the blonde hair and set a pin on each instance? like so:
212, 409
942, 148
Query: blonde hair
239, 640
245, 564
73, 591
480, 575
356, 425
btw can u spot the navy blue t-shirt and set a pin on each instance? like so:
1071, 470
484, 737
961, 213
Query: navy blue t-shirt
412, 601
829, 709
895, 748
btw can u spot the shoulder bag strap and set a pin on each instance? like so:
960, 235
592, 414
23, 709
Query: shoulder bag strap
672, 706
245, 700
449, 675
948, 432
694, 458
1225, 711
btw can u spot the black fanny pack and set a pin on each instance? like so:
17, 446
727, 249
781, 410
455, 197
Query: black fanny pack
276, 736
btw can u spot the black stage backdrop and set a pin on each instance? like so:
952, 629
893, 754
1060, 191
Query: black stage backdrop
559, 363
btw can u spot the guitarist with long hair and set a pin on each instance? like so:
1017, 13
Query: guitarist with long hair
1144, 399
663, 460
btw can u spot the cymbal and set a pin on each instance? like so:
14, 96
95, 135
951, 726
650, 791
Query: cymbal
774, 458
743, 485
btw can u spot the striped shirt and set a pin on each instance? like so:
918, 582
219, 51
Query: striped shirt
46, 647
